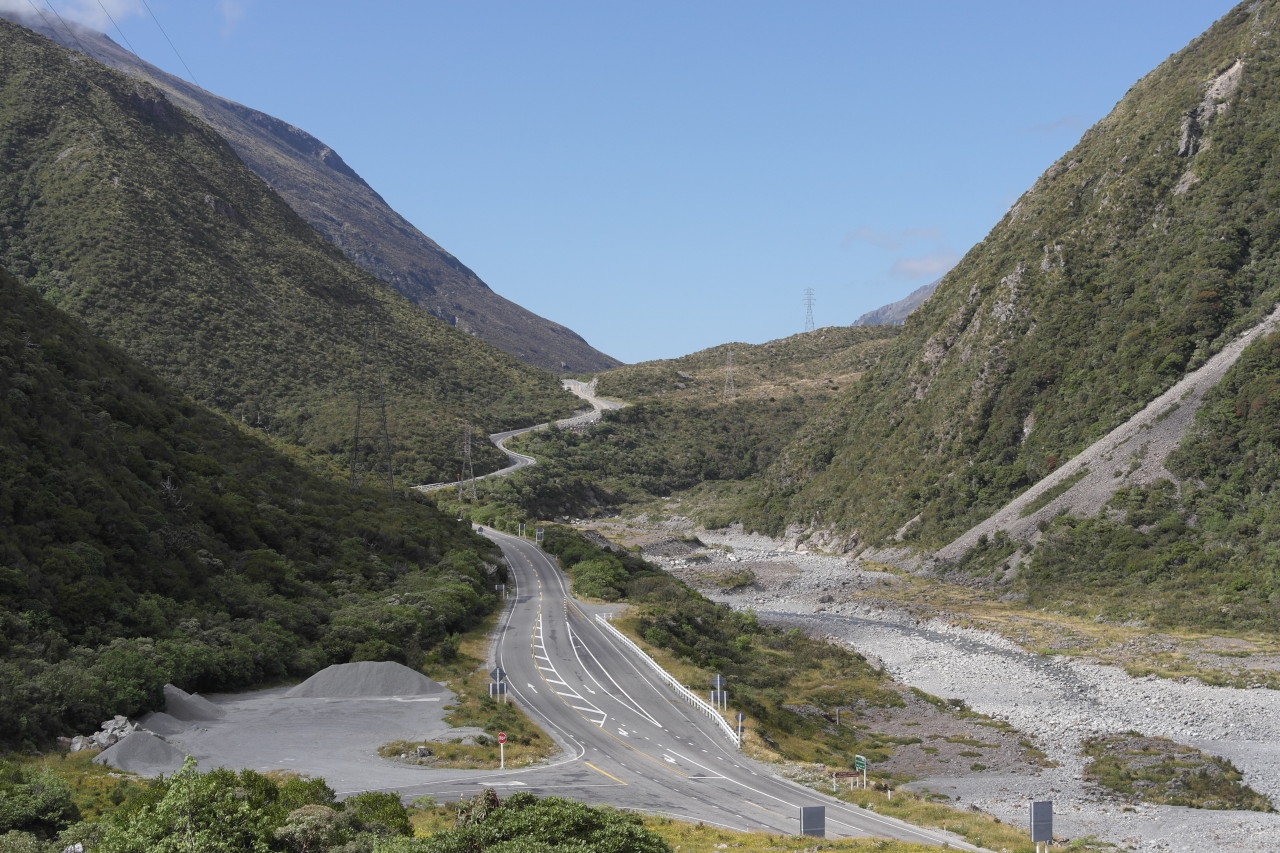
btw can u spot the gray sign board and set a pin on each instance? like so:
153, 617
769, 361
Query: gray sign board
1042, 821
813, 821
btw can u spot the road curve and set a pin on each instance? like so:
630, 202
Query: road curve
585, 390
628, 739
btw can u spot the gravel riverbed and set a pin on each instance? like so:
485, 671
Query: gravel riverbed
1055, 700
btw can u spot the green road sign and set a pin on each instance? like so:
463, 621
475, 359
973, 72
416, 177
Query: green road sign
859, 762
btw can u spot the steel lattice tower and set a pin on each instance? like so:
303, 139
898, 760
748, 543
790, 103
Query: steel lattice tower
808, 309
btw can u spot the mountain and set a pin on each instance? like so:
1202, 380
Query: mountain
145, 540
337, 202
140, 220
1129, 262
895, 313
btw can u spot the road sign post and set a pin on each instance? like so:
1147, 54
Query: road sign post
719, 696
860, 763
1042, 823
537, 535
502, 750
499, 685
813, 821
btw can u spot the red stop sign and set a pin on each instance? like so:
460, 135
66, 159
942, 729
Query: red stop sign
502, 737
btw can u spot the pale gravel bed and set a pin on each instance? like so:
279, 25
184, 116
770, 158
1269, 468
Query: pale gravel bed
1055, 700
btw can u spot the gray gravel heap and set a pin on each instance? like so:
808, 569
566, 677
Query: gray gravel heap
365, 679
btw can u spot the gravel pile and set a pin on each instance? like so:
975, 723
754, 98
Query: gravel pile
365, 680
1057, 701
181, 705
143, 753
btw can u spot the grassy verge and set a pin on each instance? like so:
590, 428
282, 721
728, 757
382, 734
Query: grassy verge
95, 788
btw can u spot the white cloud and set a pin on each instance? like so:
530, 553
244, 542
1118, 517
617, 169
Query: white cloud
929, 266
891, 239
232, 12
91, 13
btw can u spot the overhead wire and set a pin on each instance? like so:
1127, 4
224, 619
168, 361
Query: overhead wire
118, 30
72, 35
171, 44
32, 4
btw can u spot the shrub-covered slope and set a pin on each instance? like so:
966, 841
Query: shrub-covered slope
1130, 260
337, 202
144, 539
141, 221
819, 363
684, 430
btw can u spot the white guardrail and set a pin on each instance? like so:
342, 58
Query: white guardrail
689, 696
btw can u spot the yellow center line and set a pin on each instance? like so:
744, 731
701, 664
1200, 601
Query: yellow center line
598, 770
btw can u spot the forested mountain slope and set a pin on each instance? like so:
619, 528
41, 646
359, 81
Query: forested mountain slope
1131, 260
145, 540
338, 203
142, 221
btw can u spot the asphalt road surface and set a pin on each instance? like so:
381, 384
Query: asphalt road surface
630, 741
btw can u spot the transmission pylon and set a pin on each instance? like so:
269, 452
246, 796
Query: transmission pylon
467, 480
730, 390
808, 309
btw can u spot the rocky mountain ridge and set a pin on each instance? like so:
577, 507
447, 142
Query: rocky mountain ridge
337, 202
141, 221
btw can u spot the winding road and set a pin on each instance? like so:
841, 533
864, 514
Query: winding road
585, 390
629, 740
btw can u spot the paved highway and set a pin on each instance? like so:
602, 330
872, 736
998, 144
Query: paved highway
629, 739
516, 461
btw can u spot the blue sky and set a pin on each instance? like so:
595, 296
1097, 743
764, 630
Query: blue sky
663, 176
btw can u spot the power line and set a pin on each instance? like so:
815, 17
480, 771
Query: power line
171, 44
70, 34
117, 26
32, 4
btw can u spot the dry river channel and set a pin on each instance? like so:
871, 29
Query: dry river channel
1054, 700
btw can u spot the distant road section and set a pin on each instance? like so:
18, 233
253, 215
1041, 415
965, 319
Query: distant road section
585, 390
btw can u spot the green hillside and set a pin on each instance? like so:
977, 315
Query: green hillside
818, 363
134, 217
144, 539
683, 431
1134, 257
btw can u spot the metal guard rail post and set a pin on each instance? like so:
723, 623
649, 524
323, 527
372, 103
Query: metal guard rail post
689, 696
